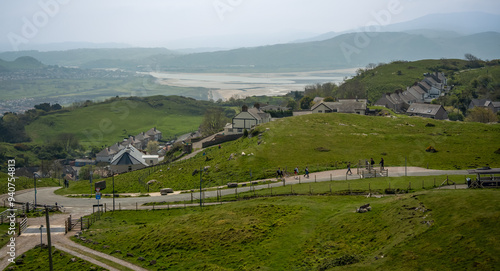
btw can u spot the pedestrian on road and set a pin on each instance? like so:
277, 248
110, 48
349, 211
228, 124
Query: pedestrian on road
296, 172
372, 162
307, 172
349, 169
382, 163
279, 173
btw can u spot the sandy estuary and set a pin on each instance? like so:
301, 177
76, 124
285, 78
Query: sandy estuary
226, 85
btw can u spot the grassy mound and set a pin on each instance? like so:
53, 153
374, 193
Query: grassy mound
435, 229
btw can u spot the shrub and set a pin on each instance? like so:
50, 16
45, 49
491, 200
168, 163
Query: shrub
430, 149
340, 261
21, 147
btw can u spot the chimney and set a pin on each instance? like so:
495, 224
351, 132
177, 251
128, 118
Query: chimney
244, 108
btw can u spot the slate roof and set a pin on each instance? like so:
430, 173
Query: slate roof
128, 156
152, 132
424, 109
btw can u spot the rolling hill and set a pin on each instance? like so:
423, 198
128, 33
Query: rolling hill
106, 123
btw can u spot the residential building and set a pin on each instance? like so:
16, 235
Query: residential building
433, 111
353, 106
247, 119
494, 106
154, 134
127, 159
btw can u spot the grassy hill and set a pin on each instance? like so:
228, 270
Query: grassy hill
398, 75
327, 141
104, 123
437, 229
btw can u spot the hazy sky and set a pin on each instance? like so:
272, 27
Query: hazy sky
184, 23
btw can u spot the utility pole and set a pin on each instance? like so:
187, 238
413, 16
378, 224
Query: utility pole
201, 204
113, 191
48, 237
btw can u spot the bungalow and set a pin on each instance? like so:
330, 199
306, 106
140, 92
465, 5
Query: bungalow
494, 106
434, 111
127, 159
246, 119
353, 106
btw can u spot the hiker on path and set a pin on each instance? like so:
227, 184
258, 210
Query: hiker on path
307, 172
382, 163
349, 169
372, 162
296, 172
279, 173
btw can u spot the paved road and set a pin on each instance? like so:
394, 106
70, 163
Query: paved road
81, 206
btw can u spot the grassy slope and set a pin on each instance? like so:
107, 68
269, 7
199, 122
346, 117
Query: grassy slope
297, 141
307, 233
22, 183
37, 259
103, 123
385, 78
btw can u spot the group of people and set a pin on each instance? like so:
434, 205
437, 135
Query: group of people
372, 162
280, 173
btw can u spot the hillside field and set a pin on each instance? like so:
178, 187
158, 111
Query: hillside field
104, 124
431, 230
326, 142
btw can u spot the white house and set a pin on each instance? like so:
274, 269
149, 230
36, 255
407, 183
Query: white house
246, 119
127, 159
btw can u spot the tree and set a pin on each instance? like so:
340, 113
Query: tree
292, 104
329, 99
152, 147
43, 106
473, 61
214, 121
481, 114
305, 102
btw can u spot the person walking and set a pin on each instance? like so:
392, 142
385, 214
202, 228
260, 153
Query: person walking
349, 169
306, 172
296, 172
372, 162
382, 163
279, 173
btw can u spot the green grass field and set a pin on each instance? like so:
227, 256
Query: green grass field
22, 183
38, 259
428, 230
103, 124
329, 141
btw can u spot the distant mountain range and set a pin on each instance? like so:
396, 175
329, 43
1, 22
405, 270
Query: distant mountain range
344, 51
429, 37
